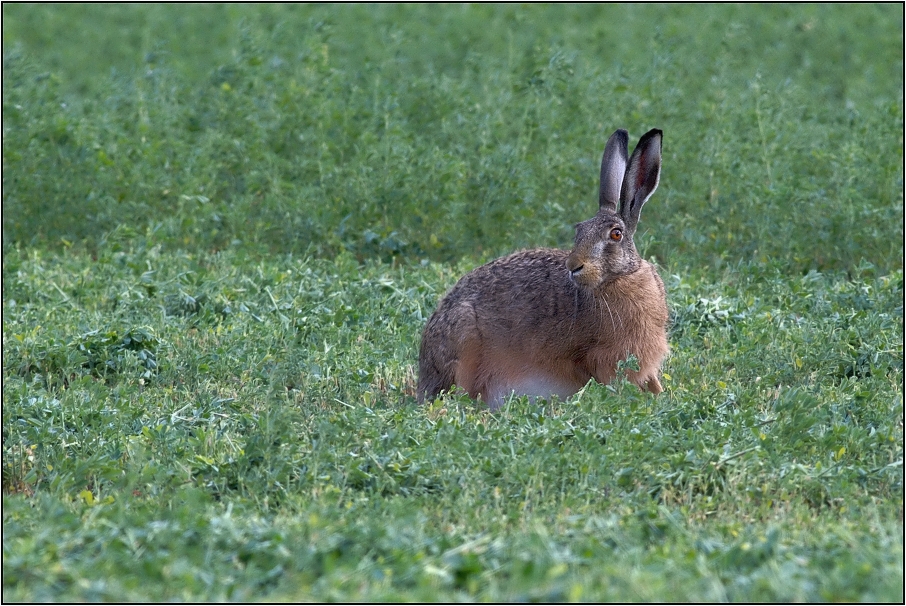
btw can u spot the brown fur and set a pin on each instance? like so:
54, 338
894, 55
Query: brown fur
543, 322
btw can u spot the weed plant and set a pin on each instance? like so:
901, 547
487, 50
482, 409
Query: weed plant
224, 228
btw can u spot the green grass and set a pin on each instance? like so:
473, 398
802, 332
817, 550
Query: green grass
319, 129
221, 243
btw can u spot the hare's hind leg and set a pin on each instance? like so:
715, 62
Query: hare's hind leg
451, 353
467, 367
435, 365
431, 381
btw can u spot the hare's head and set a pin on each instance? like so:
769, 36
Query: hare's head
604, 249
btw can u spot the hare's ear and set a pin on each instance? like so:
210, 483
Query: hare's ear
613, 166
642, 176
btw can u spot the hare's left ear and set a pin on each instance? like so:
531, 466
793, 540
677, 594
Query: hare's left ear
613, 166
642, 176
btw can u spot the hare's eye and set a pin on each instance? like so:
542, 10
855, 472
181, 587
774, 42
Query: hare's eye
616, 234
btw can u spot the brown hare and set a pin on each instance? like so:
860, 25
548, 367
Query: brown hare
543, 322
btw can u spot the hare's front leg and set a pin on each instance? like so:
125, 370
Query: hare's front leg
606, 371
652, 385
645, 382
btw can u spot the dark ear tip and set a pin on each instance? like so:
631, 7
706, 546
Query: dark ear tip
655, 136
619, 137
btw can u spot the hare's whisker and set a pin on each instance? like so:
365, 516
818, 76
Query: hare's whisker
612, 323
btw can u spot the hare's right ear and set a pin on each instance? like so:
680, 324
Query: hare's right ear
613, 167
642, 177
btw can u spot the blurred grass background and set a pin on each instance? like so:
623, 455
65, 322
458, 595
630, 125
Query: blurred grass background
413, 132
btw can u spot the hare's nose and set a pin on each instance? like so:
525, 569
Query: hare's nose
574, 265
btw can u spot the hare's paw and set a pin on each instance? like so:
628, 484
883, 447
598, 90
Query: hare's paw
653, 385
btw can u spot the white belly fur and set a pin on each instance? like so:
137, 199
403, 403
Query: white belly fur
535, 385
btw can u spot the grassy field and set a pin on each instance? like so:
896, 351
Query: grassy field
224, 228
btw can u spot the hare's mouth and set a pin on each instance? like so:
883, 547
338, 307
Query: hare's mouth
583, 276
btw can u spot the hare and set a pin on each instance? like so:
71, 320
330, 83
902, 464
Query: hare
543, 322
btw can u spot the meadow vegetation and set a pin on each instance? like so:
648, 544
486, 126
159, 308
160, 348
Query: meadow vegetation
225, 226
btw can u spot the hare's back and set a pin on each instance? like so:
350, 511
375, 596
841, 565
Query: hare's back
509, 325
534, 279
